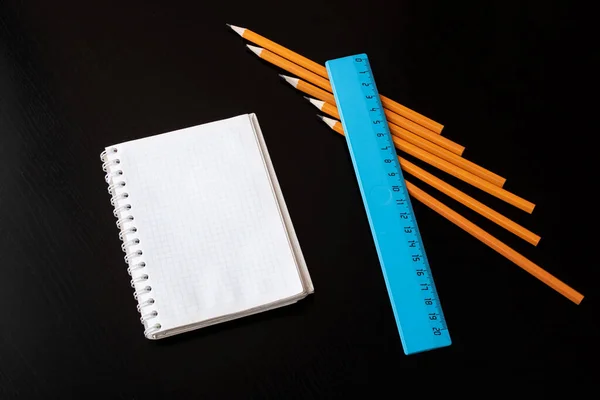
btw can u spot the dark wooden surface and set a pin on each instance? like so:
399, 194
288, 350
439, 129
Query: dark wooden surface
508, 82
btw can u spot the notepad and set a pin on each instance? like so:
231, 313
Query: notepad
206, 232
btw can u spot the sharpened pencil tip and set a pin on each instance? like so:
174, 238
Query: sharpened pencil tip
256, 50
240, 31
329, 121
320, 117
289, 79
317, 103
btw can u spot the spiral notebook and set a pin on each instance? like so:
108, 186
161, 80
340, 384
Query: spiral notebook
206, 233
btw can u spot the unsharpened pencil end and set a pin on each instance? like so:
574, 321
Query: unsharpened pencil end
256, 50
237, 29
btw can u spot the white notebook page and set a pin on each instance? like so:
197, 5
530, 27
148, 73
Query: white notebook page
212, 235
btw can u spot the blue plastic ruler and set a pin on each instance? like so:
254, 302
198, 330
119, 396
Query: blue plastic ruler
407, 274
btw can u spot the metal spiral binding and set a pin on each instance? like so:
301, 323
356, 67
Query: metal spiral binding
140, 280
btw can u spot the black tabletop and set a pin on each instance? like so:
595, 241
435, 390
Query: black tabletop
506, 80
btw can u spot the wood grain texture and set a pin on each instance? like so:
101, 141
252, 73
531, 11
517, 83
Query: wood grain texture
76, 76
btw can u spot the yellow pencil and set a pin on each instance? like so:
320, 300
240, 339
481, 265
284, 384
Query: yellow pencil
480, 234
463, 175
495, 244
453, 192
402, 134
323, 83
321, 71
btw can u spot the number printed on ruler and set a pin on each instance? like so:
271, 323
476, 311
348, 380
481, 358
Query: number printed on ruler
401, 199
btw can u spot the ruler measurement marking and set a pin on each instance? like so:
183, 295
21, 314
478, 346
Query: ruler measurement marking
409, 265
368, 82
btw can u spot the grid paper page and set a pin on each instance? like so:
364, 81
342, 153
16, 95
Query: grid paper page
209, 226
